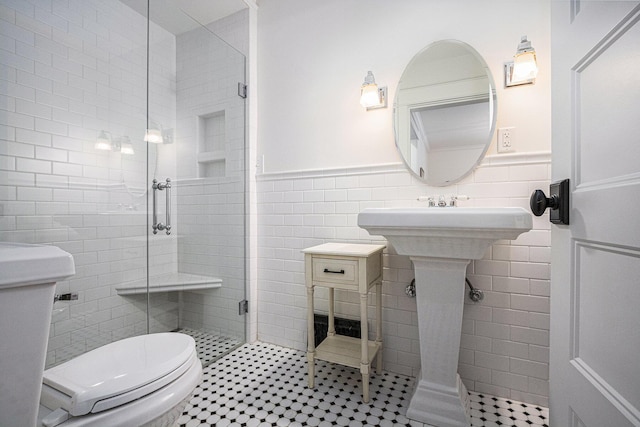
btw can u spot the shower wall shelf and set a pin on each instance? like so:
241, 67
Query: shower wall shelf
211, 156
212, 137
212, 164
170, 282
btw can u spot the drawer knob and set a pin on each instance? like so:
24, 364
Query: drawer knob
326, 270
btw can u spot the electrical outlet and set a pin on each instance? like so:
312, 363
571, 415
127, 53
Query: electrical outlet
506, 139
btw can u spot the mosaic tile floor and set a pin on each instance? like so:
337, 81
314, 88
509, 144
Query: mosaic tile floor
265, 385
211, 347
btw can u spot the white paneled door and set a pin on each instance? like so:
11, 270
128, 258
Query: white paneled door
595, 280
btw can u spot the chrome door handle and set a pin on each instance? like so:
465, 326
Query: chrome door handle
158, 225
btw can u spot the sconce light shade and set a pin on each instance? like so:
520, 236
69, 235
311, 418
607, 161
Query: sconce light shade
371, 96
125, 146
153, 133
103, 141
524, 68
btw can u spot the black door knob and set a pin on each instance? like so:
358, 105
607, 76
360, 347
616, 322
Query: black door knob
539, 202
558, 202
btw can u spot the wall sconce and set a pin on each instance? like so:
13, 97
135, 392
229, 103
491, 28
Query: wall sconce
104, 142
524, 67
372, 96
153, 133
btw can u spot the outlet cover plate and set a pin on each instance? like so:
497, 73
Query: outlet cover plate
506, 140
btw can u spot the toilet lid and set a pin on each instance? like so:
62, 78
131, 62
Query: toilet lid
119, 372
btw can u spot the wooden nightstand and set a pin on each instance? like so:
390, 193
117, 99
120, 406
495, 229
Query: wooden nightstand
350, 267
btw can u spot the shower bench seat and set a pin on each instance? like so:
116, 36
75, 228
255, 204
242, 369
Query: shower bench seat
169, 282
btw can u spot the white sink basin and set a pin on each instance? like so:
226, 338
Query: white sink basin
24, 264
441, 242
463, 233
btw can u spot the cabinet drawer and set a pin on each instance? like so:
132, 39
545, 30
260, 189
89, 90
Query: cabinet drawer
335, 270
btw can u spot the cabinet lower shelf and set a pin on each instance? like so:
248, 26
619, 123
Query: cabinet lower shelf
344, 350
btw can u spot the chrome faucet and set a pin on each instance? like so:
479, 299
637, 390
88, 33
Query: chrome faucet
442, 200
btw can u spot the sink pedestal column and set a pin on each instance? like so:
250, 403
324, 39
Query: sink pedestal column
440, 398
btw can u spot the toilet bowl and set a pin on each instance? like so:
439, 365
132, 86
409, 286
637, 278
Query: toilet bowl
140, 381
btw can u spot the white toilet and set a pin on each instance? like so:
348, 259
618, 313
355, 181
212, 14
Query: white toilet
140, 381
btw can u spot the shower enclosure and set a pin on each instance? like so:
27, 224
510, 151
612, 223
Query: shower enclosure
122, 141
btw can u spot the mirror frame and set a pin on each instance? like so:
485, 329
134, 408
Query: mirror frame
493, 100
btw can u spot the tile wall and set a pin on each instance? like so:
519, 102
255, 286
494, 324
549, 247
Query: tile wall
505, 339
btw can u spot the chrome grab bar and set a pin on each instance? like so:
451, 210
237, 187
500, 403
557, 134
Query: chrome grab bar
158, 225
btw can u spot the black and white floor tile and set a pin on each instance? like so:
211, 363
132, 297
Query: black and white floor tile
266, 385
211, 347
489, 411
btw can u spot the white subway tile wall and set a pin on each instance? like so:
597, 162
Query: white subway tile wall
505, 339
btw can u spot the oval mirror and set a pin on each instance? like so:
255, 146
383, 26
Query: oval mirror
444, 112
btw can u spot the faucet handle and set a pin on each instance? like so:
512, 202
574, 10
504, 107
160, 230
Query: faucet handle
430, 199
453, 201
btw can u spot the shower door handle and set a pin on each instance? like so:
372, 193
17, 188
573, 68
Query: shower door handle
158, 225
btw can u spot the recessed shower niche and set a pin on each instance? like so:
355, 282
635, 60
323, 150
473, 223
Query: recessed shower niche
212, 137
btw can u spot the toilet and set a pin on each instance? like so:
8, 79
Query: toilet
141, 381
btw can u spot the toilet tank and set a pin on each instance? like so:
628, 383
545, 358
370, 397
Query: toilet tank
28, 275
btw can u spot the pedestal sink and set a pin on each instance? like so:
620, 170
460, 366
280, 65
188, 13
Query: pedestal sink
441, 242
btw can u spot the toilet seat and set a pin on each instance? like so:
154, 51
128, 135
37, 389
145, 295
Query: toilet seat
117, 373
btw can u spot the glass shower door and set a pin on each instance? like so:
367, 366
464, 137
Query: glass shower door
196, 122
